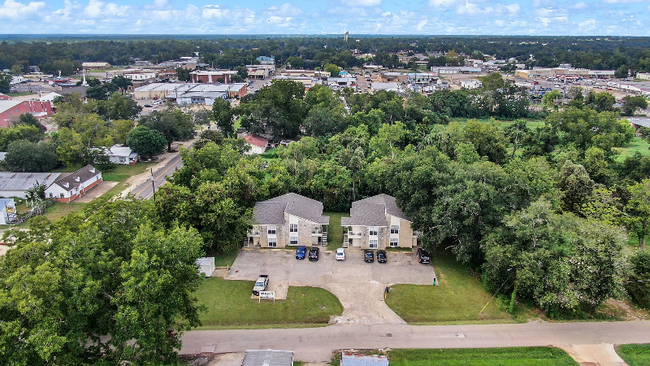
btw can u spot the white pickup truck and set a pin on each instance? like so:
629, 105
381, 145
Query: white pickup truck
261, 284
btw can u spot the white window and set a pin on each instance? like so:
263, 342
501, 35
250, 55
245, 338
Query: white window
373, 231
273, 242
394, 229
293, 240
293, 228
393, 242
271, 230
373, 243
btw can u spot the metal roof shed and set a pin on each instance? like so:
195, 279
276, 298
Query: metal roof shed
268, 357
353, 359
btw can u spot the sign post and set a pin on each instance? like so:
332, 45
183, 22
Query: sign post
269, 295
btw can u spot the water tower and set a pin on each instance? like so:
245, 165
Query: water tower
346, 35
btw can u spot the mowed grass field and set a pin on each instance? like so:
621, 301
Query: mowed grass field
635, 354
229, 305
458, 298
518, 356
638, 144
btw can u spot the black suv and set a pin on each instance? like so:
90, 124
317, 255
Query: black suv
313, 253
381, 256
368, 256
423, 256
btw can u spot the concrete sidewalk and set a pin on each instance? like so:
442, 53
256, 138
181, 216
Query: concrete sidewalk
602, 354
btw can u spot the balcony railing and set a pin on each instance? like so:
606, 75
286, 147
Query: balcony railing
254, 233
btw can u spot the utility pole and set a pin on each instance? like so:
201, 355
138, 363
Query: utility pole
153, 185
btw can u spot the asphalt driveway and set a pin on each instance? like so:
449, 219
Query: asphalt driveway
358, 285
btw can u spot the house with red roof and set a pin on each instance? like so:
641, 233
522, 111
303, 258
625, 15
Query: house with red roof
258, 144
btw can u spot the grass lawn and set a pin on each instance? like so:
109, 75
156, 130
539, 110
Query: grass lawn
635, 354
19, 94
61, 209
458, 298
225, 259
229, 305
637, 144
335, 235
516, 356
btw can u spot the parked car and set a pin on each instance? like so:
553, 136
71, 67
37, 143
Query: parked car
147, 105
340, 254
261, 284
301, 252
423, 256
381, 256
313, 253
368, 256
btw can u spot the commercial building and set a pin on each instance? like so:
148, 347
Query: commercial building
10, 109
212, 76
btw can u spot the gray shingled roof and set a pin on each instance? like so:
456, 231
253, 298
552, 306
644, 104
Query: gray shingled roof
372, 211
272, 211
75, 179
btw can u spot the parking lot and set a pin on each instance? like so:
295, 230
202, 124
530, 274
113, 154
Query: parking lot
359, 286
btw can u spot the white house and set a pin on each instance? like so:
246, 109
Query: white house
7, 210
70, 187
258, 144
471, 84
122, 155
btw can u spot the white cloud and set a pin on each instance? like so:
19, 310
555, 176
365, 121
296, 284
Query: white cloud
548, 20
579, 5
443, 4
543, 3
14, 10
471, 9
215, 11
624, 1
362, 3
587, 25
287, 10
422, 24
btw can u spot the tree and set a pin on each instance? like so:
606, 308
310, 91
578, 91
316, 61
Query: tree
563, 264
71, 305
172, 123
638, 284
601, 102
28, 119
631, 104
223, 115
575, 184
145, 141
120, 129
27, 156
332, 69
118, 106
622, 72
488, 140
19, 132
295, 62
121, 83
549, 98
183, 74
492, 81
5, 81
638, 210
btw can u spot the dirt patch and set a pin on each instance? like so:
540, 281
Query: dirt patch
622, 310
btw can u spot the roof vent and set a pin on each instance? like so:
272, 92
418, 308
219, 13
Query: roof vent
77, 179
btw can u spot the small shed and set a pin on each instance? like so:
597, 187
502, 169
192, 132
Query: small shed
355, 359
206, 266
268, 357
7, 210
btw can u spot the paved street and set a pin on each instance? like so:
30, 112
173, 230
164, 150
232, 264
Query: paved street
145, 190
317, 344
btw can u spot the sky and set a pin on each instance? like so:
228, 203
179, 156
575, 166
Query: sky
426, 17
